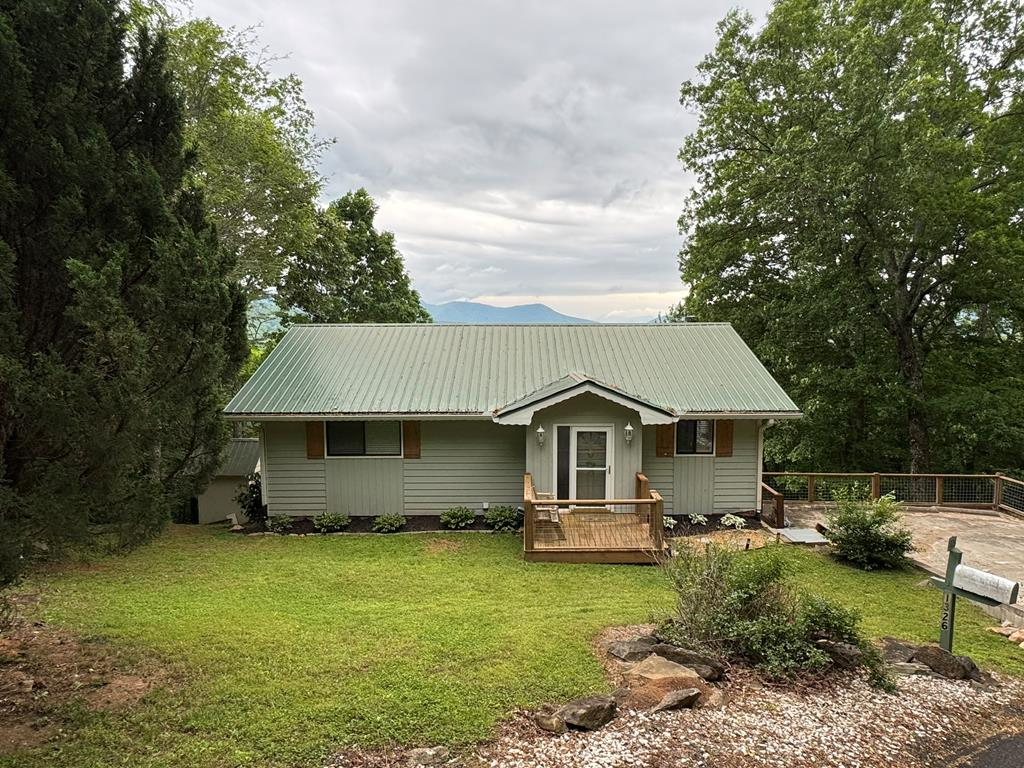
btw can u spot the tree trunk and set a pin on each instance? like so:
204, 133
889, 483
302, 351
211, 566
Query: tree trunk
912, 373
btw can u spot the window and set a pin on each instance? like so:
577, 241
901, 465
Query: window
695, 436
364, 438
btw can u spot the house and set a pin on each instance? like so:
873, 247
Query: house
593, 429
217, 502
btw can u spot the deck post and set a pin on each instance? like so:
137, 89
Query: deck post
876, 486
997, 491
643, 486
938, 491
810, 489
528, 516
657, 521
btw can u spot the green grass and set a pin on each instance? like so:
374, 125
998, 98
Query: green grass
290, 648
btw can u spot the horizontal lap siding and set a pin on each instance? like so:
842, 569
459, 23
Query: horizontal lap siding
464, 463
364, 486
295, 485
658, 470
735, 486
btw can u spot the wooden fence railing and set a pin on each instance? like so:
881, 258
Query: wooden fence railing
979, 491
583, 523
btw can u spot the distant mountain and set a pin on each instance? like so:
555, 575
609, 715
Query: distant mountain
474, 312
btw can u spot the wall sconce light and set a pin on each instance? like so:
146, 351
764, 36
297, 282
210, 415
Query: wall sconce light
628, 432
540, 435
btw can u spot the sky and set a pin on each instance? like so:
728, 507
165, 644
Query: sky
520, 151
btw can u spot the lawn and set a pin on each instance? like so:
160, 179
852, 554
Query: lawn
287, 648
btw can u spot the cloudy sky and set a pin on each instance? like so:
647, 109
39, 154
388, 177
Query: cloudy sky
520, 151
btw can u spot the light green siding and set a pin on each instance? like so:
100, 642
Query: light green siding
294, 484
736, 476
658, 470
364, 486
465, 463
586, 409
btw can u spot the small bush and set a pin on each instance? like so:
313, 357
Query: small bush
250, 501
329, 522
388, 523
457, 518
732, 521
696, 519
868, 534
503, 518
742, 606
669, 523
279, 523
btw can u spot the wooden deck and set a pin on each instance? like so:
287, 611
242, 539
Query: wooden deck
624, 531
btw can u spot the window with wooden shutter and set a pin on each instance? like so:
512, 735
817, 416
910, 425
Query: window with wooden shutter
411, 439
723, 437
665, 440
314, 439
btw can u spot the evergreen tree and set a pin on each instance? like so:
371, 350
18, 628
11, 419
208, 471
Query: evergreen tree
351, 273
119, 325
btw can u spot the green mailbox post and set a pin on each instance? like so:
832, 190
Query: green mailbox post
964, 581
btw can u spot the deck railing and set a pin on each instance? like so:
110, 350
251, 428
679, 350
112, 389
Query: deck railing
594, 524
967, 491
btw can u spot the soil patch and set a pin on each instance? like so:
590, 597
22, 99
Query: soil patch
441, 546
43, 669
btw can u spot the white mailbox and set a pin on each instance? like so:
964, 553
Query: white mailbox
985, 584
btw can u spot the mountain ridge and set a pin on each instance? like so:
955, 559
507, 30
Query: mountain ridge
476, 312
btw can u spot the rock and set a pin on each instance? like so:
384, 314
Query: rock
547, 719
712, 699
620, 695
896, 651
588, 713
236, 528
427, 756
909, 668
708, 667
658, 669
26, 684
1017, 636
843, 655
631, 650
1004, 631
684, 698
942, 662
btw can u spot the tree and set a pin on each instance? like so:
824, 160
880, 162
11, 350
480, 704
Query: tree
120, 327
256, 150
351, 273
857, 213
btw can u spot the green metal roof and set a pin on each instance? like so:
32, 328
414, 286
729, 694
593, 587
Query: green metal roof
241, 457
422, 369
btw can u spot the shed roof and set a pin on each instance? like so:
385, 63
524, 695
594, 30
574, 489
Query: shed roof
474, 370
241, 457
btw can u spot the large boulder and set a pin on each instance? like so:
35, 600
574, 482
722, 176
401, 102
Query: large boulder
632, 650
909, 669
548, 719
843, 655
660, 670
897, 651
682, 698
589, 713
943, 662
708, 667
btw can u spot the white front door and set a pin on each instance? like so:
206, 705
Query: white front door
590, 457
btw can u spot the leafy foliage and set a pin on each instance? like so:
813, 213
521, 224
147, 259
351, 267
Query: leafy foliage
280, 523
732, 521
503, 518
457, 518
742, 606
388, 523
250, 501
856, 218
351, 273
120, 328
868, 534
330, 522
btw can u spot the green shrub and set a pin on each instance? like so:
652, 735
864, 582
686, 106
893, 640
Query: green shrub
868, 534
388, 523
328, 522
280, 523
457, 518
742, 606
250, 501
503, 518
669, 523
732, 521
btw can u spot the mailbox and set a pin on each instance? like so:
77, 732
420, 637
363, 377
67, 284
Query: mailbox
985, 584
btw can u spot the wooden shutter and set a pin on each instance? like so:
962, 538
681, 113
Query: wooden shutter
723, 437
411, 439
314, 439
665, 441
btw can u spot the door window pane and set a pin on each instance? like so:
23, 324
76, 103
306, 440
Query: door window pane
590, 483
591, 449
